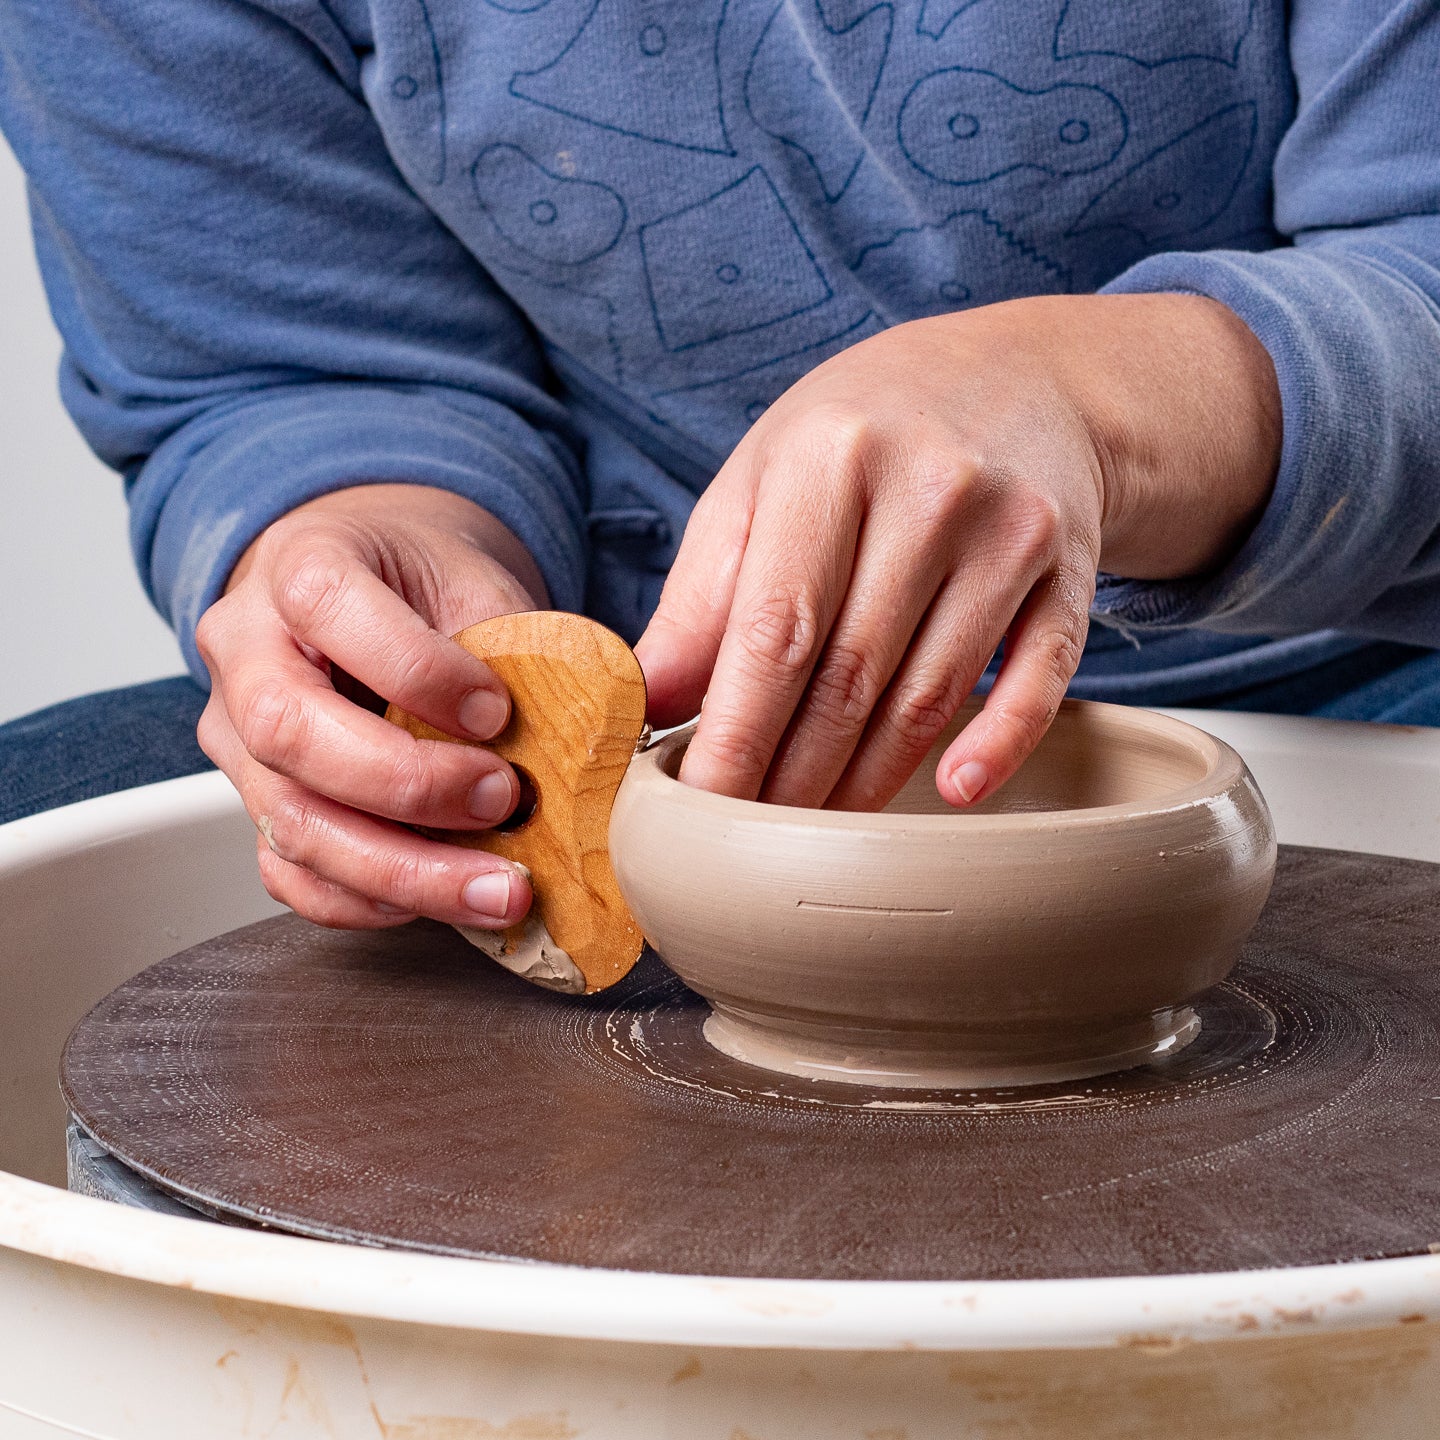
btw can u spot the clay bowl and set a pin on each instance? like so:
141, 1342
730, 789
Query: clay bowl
1059, 930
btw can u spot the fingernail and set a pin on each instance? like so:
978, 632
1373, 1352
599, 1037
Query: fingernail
969, 779
492, 797
489, 895
483, 714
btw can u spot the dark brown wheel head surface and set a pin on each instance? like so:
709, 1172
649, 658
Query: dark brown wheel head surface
395, 1088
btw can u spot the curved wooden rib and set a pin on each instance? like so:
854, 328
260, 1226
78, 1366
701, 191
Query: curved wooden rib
577, 713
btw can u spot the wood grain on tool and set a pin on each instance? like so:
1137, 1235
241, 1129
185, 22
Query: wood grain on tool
577, 712
380, 1086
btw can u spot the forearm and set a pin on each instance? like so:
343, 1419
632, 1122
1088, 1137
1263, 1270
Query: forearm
1351, 537
1349, 314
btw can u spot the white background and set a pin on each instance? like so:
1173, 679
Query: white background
72, 615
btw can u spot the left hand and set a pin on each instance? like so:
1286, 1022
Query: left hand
928, 493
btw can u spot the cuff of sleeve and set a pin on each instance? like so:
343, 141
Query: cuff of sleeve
1311, 559
209, 490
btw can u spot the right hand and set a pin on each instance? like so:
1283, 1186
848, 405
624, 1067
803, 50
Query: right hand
369, 583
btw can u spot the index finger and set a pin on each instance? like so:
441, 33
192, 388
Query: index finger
292, 721
334, 603
792, 581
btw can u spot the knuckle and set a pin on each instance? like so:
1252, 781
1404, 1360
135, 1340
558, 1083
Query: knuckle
414, 786
732, 749
274, 725
400, 876
275, 875
834, 440
924, 706
418, 670
310, 898
844, 688
944, 483
207, 632
1038, 526
287, 829
1025, 724
327, 907
326, 916
783, 631
313, 899
1059, 651
208, 731
1072, 591
311, 590
278, 890
842, 432
271, 866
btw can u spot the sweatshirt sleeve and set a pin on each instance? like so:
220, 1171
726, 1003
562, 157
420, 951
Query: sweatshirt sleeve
257, 308
1350, 314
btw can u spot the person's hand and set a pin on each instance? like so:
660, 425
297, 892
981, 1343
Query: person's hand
369, 583
949, 484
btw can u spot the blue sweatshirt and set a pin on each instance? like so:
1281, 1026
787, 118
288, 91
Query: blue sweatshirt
557, 255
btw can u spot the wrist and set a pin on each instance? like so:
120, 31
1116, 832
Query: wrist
1183, 407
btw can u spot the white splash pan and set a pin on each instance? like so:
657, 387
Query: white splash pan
122, 1325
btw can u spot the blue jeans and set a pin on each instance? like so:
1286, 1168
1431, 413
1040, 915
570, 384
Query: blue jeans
145, 733
100, 743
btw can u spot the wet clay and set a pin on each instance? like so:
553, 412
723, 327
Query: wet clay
1063, 929
396, 1088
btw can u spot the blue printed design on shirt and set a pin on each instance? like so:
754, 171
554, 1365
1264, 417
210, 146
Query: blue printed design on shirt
735, 262
551, 218
968, 126
1180, 187
414, 92
1146, 34
814, 89
677, 194
936, 16
840, 15
646, 68
965, 260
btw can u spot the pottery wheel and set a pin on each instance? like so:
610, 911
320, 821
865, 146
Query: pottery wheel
391, 1088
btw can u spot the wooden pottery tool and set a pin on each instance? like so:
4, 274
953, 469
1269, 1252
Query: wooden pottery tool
577, 716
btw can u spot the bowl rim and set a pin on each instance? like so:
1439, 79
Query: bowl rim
1224, 769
